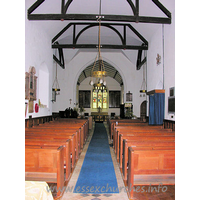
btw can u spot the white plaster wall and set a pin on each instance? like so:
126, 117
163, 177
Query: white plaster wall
38, 53
169, 63
68, 77
154, 71
162, 76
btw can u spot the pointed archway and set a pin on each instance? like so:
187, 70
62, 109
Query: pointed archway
114, 89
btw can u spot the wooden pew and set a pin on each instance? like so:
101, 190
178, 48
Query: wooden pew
35, 143
50, 136
45, 164
58, 138
150, 167
141, 131
65, 126
59, 131
111, 123
135, 128
84, 123
114, 125
149, 145
129, 135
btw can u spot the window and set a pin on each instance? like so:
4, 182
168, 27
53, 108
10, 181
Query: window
114, 99
99, 97
84, 98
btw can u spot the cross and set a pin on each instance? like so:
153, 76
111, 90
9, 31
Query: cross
70, 100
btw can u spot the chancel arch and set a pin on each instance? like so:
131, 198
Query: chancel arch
100, 97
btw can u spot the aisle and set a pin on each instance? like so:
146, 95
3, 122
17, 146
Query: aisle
97, 174
69, 194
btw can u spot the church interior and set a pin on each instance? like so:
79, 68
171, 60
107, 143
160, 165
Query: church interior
99, 99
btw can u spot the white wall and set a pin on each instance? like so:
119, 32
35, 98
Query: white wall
38, 53
68, 77
169, 63
162, 76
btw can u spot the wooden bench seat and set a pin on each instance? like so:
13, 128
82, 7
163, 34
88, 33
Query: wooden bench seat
43, 131
147, 145
60, 138
35, 143
83, 132
84, 124
143, 132
43, 141
114, 125
150, 167
133, 129
121, 135
120, 121
141, 139
45, 164
151, 159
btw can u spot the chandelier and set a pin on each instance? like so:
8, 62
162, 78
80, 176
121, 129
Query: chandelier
100, 74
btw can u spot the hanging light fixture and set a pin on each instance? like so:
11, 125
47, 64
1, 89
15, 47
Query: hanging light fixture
55, 87
100, 74
144, 84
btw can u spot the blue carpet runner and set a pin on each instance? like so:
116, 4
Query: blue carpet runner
97, 175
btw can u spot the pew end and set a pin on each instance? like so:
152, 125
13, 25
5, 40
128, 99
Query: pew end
150, 167
45, 165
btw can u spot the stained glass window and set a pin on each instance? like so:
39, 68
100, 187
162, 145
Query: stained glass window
99, 98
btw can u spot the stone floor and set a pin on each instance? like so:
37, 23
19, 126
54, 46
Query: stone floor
168, 194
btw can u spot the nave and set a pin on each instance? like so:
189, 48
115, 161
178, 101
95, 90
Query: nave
84, 162
122, 195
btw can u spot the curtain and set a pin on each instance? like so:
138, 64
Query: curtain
156, 108
151, 109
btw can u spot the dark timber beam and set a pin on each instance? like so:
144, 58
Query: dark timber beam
60, 61
102, 24
67, 5
93, 17
162, 8
88, 25
115, 74
137, 10
103, 46
138, 34
84, 74
34, 6
142, 63
132, 6
61, 32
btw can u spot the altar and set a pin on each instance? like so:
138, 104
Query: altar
99, 116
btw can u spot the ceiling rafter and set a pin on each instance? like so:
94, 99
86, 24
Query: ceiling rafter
64, 6
110, 72
60, 61
93, 17
111, 26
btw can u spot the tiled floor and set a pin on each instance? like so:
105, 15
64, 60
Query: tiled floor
122, 195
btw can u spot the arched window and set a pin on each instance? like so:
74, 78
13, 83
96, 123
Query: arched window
99, 97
